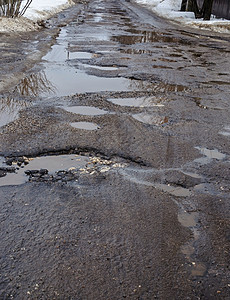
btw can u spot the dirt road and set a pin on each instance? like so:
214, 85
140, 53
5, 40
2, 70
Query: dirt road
114, 144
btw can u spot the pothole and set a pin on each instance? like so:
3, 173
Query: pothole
85, 125
9, 109
54, 168
209, 155
85, 110
150, 119
51, 163
137, 102
189, 220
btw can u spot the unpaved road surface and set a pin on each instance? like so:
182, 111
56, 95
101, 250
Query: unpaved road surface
115, 160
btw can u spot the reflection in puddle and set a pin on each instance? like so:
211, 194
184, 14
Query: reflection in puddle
226, 131
35, 84
84, 110
51, 163
59, 53
175, 191
60, 78
209, 155
9, 109
85, 125
13, 8
100, 67
160, 87
140, 36
136, 102
68, 80
150, 119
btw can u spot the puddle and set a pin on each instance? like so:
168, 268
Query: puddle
85, 125
139, 36
198, 269
226, 131
9, 109
193, 175
150, 119
64, 79
85, 110
34, 85
188, 219
60, 53
68, 80
60, 78
136, 102
16, 8
100, 67
52, 163
175, 191
209, 155
172, 190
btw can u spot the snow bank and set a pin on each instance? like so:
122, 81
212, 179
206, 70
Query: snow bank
170, 9
44, 9
37, 11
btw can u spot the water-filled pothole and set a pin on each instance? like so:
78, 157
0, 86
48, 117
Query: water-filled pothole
85, 125
137, 102
85, 110
9, 109
52, 163
209, 155
150, 119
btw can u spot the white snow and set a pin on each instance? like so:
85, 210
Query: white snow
170, 9
43, 9
37, 11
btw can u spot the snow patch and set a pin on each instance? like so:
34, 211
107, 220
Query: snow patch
170, 9
38, 10
44, 9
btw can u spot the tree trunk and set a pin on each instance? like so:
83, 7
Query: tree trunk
207, 9
191, 5
183, 5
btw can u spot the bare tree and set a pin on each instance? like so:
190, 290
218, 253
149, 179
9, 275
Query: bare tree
13, 8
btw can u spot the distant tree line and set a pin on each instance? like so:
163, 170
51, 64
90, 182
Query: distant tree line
203, 12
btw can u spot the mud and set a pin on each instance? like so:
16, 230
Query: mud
114, 158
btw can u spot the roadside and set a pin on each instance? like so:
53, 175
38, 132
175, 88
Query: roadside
170, 9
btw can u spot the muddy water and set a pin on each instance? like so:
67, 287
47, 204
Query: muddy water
137, 102
10, 108
51, 163
85, 125
67, 79
85, 110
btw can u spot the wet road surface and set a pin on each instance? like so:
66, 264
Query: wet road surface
114, 144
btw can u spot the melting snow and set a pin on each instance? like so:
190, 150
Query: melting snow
37, 11
170, 9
